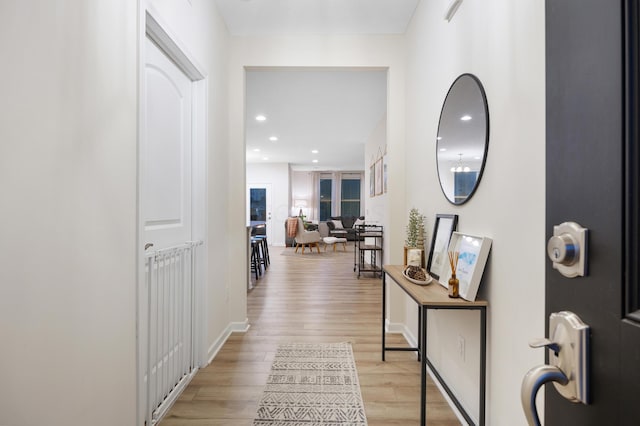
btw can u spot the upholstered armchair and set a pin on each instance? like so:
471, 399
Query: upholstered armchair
306, 238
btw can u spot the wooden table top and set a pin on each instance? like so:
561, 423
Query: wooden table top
432, 294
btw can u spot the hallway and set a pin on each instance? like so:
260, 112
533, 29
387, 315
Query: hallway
309, 298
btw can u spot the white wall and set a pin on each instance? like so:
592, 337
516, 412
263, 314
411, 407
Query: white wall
278, 176
501, 42
68, 187
375, 207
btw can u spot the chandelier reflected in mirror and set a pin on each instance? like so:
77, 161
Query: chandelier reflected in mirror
459, 167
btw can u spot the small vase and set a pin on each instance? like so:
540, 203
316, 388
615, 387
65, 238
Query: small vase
454, 286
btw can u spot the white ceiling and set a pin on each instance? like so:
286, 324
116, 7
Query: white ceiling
331, 110
291, 17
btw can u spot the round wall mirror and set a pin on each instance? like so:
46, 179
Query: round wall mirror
463, 139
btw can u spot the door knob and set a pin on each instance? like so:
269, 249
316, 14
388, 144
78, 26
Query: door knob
567, 249
568, 364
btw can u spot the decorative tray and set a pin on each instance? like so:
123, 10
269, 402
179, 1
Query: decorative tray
425, 282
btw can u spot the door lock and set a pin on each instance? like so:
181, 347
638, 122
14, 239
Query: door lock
568, 363
567, 249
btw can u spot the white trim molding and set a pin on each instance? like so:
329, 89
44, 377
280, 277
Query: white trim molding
233, 327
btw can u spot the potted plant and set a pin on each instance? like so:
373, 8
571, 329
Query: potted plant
415, 236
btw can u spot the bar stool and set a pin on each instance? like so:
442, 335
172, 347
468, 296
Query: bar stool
261, 255
265, 250
255, 253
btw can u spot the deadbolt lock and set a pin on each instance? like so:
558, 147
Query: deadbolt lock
567, 249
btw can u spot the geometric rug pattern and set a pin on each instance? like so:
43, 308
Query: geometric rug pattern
312, 384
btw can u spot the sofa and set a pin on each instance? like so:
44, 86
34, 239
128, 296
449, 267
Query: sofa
347, 225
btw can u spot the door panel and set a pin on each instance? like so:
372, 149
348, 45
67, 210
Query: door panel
585, 183
166, 326
166, 167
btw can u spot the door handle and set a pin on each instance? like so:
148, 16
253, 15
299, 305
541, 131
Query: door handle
148, 246
531, 384
568, 364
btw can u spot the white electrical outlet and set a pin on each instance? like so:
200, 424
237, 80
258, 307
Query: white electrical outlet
461, 347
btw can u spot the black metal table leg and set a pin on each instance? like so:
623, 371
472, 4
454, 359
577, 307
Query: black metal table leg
483, 363
423, 369
419, 332
384, 310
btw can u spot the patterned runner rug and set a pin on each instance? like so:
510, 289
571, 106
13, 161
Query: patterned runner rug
312, 385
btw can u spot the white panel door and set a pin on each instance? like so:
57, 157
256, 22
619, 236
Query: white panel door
165, 317
166, 152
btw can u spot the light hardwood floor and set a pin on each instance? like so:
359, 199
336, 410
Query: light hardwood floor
310, 298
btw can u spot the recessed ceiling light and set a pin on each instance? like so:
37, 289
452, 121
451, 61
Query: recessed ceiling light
477, 158
265, 158
465, 118
273, 138
256, 150
260, 118
443, 149
439, 138
315, 151
314, 161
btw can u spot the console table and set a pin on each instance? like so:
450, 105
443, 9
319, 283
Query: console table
435, 296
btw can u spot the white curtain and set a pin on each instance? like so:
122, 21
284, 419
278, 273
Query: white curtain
315, 197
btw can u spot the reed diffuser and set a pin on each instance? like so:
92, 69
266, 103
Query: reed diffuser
454, 284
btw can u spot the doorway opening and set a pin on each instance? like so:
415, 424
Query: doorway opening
305, 123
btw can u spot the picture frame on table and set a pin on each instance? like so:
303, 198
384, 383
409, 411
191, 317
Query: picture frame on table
473, 253
445, 225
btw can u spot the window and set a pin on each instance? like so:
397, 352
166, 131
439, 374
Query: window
339, 194
325, 199
350, 197
258, 204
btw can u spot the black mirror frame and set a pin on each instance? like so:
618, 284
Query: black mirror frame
486, 138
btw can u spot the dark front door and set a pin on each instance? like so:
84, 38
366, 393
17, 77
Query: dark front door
592, 179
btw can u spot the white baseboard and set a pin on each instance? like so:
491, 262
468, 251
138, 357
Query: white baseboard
400, 328
232, 327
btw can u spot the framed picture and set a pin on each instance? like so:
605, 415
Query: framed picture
378, 176
372, 181
384, 173
472, 257
438, 258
